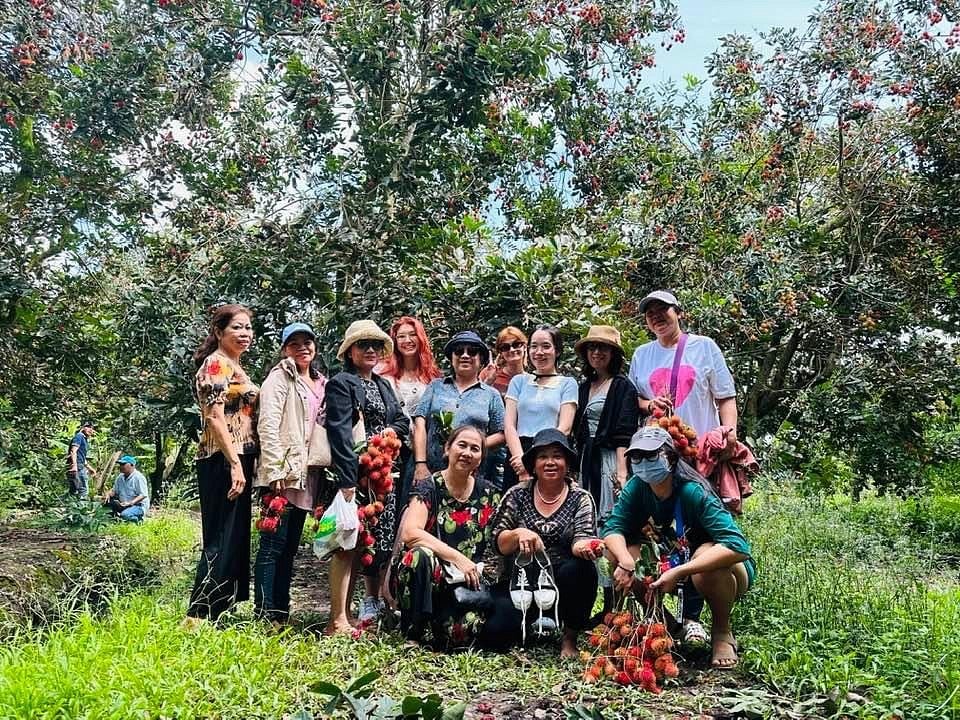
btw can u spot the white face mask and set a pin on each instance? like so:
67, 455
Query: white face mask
652, 471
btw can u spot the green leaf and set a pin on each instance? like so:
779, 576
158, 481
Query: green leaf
455, 711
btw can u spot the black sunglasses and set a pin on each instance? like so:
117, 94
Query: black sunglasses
638, 455
515, 345
471, 350
370, 345
595, 347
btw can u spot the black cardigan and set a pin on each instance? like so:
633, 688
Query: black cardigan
345, 398
619, 419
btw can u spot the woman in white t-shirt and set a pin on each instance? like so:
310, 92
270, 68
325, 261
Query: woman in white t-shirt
697, 386
536, 401
704, 395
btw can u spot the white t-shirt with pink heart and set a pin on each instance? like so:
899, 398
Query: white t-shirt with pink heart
703, 379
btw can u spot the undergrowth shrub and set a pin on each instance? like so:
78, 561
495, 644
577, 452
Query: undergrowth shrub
852, 597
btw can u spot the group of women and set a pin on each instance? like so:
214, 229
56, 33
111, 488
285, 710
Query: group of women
494, 518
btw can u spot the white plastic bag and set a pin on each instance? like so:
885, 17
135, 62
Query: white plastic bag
338, 528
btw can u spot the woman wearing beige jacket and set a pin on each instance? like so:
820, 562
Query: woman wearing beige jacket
291, 404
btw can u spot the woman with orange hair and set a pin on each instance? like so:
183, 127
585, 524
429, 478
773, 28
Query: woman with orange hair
410, 368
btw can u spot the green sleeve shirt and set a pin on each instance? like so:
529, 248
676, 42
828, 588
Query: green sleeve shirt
639, 512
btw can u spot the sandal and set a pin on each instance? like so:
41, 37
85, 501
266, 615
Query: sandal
693, 633
725, 662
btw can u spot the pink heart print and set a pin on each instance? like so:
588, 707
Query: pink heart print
686, 379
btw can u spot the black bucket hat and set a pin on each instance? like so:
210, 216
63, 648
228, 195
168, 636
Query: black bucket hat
467, 337
545, 438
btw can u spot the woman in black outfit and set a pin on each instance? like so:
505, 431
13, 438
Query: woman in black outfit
354, 394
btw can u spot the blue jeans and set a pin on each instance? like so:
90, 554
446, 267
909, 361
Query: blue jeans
131, 514
273, 570
79, 483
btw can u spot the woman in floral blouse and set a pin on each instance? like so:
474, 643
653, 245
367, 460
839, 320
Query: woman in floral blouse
448, 523
225, 464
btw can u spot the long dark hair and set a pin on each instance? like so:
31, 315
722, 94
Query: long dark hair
219, 319
615, 366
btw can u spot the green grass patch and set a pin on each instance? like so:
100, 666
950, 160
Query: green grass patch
853, 599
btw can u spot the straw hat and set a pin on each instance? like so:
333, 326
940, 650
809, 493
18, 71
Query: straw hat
606, 334
364, 330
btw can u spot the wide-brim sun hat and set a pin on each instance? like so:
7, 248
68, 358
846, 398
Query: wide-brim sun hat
293, 328
546, 438
664, 296
604, 334
467, 337
364, 330
648, 439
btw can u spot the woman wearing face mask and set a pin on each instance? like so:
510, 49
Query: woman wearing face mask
464, 397
291, 404
537, 401
553, 515
668, 501
354, 394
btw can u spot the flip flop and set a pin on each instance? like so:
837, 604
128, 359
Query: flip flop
715, 662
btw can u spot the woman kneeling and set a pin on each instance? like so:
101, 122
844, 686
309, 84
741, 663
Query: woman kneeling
668, 501
441, 577
552, 518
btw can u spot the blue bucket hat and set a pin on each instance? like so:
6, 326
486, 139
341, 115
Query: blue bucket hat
297, 327
467, 337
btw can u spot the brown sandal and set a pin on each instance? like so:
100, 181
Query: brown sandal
724, 662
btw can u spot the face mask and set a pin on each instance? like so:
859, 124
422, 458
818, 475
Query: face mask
653, 471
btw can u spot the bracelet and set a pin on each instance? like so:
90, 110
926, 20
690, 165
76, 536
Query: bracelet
419, 462
626, 569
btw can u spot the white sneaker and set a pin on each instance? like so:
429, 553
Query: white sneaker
369, 609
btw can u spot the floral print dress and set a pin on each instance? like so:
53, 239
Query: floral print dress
423, 595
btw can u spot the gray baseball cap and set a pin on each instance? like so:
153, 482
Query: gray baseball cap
664, 296
648, 439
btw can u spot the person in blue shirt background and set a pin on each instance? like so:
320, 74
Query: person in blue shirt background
78, 470
129, 498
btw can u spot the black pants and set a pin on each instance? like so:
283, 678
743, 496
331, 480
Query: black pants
273, 570
509, 476
576, 580
223, 573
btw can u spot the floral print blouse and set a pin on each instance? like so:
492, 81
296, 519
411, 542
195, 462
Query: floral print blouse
466, 525
220, 381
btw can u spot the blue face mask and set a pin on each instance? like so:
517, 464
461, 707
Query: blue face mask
652, 471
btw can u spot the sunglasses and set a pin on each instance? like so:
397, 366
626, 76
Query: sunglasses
471, 350
515, 345
595, 347
370, 345
639, 455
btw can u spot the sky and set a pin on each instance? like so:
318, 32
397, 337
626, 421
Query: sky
705, 21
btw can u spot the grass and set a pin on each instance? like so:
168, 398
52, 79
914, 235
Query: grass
854, 614
852, 604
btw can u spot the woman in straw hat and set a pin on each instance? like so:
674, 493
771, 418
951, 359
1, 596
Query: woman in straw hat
607, 416
357, 394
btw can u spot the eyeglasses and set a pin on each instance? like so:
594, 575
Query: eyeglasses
471, 350
515, 345
595, 347
370, 345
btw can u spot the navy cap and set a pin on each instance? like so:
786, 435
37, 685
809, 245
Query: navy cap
297, 327
467, 337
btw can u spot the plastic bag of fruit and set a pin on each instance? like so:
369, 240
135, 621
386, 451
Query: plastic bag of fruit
338, 527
